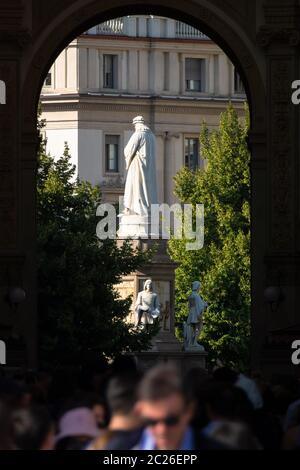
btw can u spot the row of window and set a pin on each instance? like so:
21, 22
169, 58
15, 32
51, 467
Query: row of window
194, 75
112, 147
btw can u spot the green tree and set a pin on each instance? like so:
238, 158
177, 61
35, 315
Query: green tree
80, 312
223, 264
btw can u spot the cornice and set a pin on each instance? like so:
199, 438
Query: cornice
176, 106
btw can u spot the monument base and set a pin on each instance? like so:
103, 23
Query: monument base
182, 359
137, 226
161, 270
165, 341
195, 349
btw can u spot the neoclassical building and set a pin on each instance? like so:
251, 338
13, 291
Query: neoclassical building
166, 70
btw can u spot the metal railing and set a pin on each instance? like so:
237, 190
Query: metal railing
115, 27
184, 30
126, 26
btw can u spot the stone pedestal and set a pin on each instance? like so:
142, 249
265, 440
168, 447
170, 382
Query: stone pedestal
162, 272
183, 360
195, 349
137, 226
133, 226
165, 346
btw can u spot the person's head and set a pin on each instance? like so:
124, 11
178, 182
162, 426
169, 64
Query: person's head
165, 406
123, 363
33, 429
226, 402
225, 375
99, 410
122, 394
14, 393
148, 285
197, 380
235, 436
78, 425
196, 286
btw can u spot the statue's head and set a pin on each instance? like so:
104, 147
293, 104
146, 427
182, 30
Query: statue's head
148, 285
138, 121
196, 285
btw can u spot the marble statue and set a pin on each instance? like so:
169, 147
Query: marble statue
147, 306
140, 186
193, 325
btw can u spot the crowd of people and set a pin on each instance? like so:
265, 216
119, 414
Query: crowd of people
116, 407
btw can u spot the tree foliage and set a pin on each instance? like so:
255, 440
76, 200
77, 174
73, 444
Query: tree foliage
223, 264
80, 312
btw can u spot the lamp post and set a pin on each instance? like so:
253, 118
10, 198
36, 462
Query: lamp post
274, 296
15, 296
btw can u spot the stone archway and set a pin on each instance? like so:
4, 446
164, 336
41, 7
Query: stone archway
51, 26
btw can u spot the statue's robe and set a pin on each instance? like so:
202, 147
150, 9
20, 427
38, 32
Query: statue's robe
140, 187
147, 303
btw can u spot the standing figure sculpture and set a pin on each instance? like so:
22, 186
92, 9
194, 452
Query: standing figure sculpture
146, 306
140, 186
193, 325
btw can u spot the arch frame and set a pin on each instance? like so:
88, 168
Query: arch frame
214, 19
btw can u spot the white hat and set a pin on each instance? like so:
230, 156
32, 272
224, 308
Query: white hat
138, 119
77, 422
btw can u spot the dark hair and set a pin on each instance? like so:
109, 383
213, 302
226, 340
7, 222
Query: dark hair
237, 436
12, 392
161, 382
225, 375
122, 393
227, 401
31, 426
123, 364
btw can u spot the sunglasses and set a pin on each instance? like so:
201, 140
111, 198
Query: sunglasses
171, 420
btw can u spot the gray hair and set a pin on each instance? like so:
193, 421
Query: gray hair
147, 282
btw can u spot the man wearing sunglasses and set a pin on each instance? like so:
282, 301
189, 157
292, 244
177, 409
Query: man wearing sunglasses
167, 410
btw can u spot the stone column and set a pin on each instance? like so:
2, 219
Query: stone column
93, 71
224, 83
124, 68
100, 60
279, 40
158, 61
181, 74
81, 68
17, 203
211, 75
132, 69
174, 73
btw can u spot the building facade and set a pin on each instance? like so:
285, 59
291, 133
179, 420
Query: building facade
163, 69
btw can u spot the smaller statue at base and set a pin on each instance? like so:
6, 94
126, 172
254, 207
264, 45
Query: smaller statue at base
147, 307
193, 325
